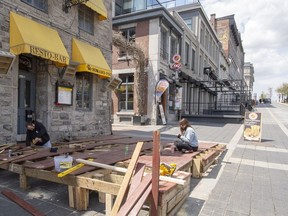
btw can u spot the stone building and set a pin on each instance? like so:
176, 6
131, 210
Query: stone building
60, 70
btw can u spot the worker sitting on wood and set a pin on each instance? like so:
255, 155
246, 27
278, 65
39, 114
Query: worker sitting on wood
37, 135
187, 139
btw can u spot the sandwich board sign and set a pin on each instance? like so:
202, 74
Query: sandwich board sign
253, 126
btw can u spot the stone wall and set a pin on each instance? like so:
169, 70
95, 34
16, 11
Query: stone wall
61, 121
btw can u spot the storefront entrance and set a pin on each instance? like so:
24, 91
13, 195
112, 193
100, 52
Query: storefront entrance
26, 99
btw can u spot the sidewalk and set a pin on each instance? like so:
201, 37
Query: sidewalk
250, 180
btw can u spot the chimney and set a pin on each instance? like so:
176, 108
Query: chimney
213, 20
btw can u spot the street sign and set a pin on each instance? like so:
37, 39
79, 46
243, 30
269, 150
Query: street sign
176, 66
176, 58
252, 126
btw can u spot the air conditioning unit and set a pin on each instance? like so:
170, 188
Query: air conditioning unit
6, 61
114, 82
68, 72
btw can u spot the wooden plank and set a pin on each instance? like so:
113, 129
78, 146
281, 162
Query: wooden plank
16, 158
124, 170
126, 179
108, 204
22, 203
196, 168
135, 196
101, 195
137, 207
96, 139
84, 182
155, 172
137, 178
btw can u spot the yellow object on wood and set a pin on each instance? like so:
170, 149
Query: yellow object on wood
66, 172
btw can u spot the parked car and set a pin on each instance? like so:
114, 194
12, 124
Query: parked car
267, 100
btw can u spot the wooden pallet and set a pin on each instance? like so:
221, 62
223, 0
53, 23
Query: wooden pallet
205, 159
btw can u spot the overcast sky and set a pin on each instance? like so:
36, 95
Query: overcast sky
263, 25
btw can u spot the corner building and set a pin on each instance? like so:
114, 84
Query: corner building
59, 70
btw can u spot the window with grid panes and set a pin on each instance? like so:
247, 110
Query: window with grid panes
39, 4
129, 35
86, 19
173, 49
84, 91
126, 92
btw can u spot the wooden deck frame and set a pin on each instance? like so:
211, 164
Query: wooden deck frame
80, 184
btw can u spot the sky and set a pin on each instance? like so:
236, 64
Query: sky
263, 25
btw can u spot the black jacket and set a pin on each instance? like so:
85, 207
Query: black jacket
40, 132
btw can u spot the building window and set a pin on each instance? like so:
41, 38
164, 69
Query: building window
126, 92
164, 44
193, 60
39, 4
173, 49
188, 22
84, 91
86, 19
187, 49
202, 34
129, 34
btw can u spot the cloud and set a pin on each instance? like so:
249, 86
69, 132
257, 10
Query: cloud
263, 27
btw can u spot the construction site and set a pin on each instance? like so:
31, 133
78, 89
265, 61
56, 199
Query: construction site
127, 175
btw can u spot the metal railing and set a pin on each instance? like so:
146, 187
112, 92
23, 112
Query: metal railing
176, 3
216, 108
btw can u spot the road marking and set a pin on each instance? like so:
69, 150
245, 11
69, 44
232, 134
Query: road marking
261, 164
204, 188
281, 125
263, 148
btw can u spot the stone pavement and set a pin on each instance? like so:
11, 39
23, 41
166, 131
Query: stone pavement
250, 179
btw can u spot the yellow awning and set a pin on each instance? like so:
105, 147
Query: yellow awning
90, 58
99, 7
27, 36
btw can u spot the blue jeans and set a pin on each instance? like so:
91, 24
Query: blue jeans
180, 144
47, 145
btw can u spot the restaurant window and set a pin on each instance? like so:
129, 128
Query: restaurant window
129, 35
84, 91
86, 19
126, 92
39, 4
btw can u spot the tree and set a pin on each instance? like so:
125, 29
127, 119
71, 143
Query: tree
283, 90
141, 61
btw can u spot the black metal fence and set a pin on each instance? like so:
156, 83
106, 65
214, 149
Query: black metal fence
216, 108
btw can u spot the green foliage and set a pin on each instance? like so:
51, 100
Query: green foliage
283, 89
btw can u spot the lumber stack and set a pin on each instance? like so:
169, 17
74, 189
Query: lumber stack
205, 159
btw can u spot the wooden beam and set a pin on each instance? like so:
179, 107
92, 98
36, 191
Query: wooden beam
137, 207
126, 179
137, 178
124, 170
8, 160
155, 172
75, 181
22, 203
135, 196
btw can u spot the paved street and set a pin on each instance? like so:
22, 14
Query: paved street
250, 178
